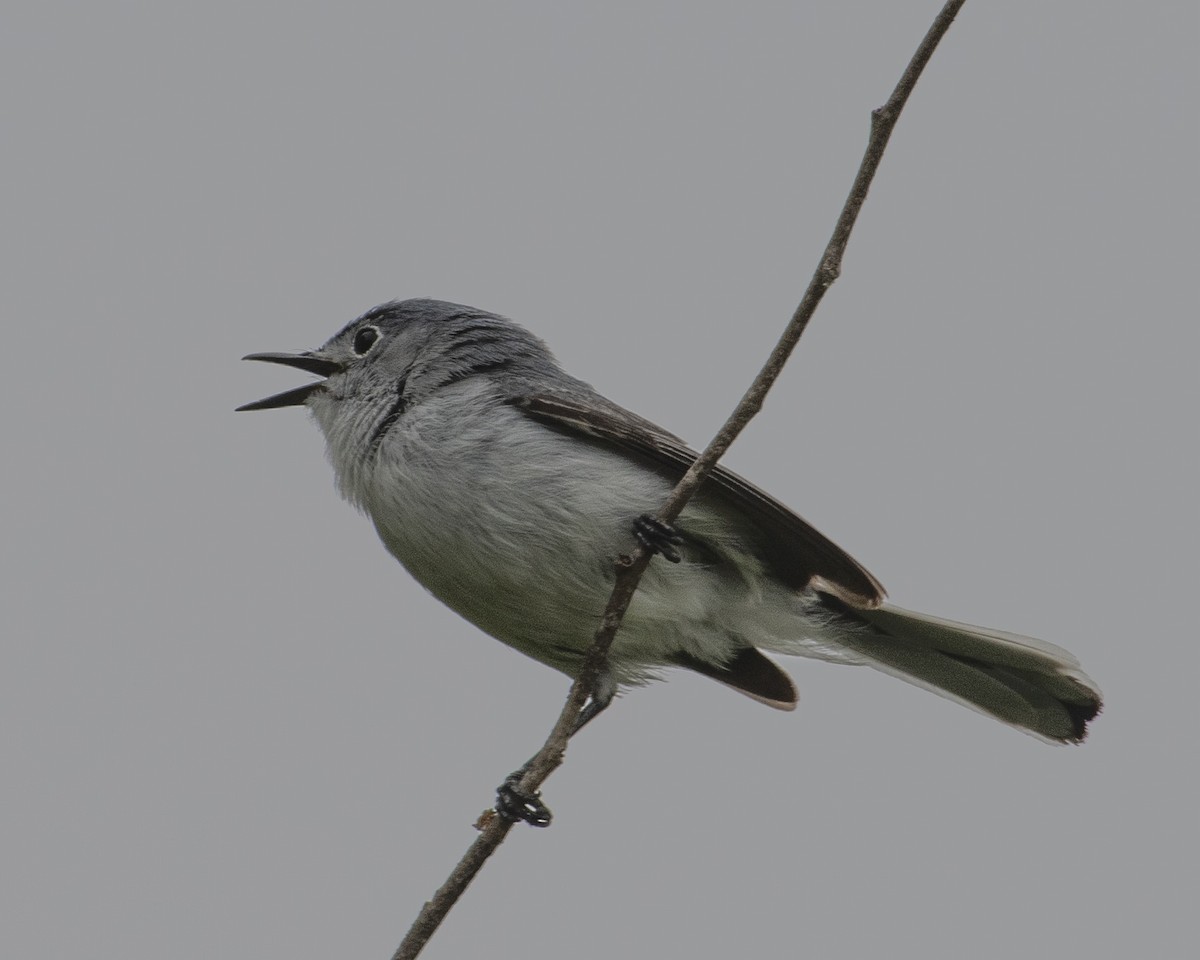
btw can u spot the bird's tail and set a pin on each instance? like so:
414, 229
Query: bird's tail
1035, 686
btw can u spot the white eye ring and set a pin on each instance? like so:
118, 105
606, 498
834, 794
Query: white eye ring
365, 339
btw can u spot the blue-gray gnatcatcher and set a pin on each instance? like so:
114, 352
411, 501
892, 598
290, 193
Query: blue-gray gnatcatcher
507, 488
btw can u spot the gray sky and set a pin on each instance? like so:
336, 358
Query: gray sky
231, 725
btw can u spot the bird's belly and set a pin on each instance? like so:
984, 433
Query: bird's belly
518, 538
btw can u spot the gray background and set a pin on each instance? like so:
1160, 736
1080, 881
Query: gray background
231, 726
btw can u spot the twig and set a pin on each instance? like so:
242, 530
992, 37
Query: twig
630, 570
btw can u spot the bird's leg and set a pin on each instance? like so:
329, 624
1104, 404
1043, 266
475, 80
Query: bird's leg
658, 537
515, 805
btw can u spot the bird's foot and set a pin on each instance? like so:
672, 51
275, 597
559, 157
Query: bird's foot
514, 806
658, 537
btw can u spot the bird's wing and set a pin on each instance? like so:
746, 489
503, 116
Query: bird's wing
795, 552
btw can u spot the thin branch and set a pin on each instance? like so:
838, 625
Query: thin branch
629, 570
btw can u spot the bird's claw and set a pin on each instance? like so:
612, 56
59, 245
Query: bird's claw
515, 806
658, 537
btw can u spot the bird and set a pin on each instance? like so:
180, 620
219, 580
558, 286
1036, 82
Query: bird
508, 488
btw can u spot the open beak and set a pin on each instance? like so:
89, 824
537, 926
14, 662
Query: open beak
302, 361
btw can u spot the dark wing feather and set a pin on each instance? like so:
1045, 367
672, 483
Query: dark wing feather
751, 673
795, 552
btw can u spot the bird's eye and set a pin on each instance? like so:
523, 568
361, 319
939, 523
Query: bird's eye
365, 339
